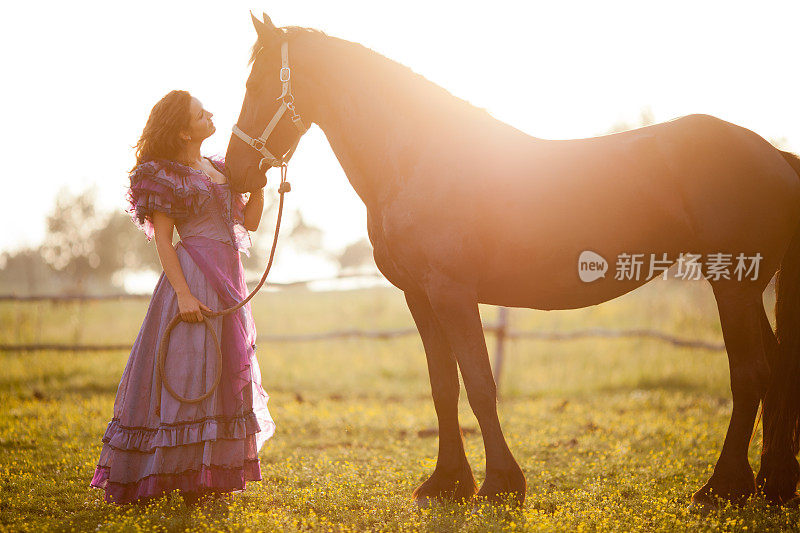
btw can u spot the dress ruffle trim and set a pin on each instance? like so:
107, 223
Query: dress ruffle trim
238, 200
233, 211
210, 478
181, 191
146, 440
161, 185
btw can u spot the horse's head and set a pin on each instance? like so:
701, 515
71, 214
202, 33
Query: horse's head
270, 123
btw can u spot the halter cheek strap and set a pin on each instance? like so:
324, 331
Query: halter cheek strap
287, 104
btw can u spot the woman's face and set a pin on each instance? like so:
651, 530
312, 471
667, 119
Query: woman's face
200, 125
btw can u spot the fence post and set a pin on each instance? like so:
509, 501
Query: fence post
77, 323
502, 329
39, 319
18, 329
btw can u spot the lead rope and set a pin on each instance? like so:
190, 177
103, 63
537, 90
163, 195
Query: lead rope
161, 378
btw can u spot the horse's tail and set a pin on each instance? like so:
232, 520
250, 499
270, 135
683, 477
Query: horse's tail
782, 402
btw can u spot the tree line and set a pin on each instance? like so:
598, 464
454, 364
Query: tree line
90, 251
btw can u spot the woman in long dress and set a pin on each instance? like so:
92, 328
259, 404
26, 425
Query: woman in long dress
156, 443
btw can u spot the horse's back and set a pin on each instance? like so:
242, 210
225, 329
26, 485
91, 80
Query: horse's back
696, 184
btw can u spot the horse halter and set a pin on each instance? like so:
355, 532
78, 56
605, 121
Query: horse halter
260, 143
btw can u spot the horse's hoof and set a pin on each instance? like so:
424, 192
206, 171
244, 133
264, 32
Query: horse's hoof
481, 504
702, 507
506, 504
439, 489
477, 507
734, 486
514, 500
705, 501
425, 502
503, 488
792, 503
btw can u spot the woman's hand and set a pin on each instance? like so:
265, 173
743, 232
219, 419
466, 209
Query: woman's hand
191, 309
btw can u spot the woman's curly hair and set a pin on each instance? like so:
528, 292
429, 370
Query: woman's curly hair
160, 138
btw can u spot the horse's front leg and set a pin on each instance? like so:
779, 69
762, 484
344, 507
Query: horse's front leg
455, 307
452, 478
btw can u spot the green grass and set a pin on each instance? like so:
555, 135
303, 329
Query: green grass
613, 434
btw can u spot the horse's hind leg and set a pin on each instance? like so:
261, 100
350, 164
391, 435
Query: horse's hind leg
452, 478
777, 475
771, 350
740, 310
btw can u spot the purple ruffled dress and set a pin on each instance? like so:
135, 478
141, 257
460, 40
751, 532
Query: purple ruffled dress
154, 443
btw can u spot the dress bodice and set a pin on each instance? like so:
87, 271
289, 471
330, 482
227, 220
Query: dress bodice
209, 221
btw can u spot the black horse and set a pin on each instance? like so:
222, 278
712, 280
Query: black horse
464, 209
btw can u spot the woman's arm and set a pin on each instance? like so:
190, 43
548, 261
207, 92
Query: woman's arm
190, 307
253, 209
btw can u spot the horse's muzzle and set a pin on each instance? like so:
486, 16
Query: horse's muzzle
251, 180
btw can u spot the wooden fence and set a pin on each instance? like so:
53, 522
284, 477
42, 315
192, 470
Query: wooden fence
500, 329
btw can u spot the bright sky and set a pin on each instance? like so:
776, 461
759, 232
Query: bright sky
81, 77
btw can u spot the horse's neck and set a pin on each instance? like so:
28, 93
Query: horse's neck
350, 147
359, 136
379, 138
367, 133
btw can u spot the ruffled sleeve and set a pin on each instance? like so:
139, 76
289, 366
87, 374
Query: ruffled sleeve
164, 186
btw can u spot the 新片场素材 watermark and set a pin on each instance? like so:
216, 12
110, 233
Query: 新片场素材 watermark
716, 266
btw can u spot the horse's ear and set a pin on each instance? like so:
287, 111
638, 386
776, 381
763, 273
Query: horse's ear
267, 20
266, 31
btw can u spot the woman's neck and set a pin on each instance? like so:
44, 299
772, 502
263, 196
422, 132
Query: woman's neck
191, 155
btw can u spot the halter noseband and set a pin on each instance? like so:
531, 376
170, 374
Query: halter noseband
260, 144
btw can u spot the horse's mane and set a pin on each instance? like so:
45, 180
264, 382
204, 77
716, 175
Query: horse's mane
290, 31
386, 78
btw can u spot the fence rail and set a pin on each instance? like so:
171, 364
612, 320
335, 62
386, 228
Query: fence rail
497, 329
500, 329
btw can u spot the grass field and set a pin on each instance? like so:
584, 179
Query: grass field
613, 434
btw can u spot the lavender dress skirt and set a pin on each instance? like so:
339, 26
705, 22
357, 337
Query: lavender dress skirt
154, 443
